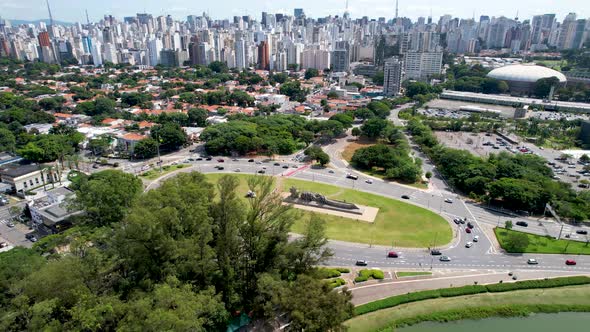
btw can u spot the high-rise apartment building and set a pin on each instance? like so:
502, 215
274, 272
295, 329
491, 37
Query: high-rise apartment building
392, 76
263, 55
422, 65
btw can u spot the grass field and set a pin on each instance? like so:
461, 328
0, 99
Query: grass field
543, 245
412, 274
576, 295
155, 173
397, 223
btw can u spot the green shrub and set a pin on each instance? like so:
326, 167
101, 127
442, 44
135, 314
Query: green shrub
325, 273
544, 283
333, 283
180, 166
465, 290
367, 274
167, 167
342, 270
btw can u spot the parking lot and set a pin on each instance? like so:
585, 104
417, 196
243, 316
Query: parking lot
479, 144
455, 105
556, 116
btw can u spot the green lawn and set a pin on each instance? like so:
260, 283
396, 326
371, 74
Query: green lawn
576, 295
544, 245
154, 173
397, 223
412, 274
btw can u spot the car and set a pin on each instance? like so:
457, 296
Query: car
532, 261
277, 164
191, 159
448, 200
220, 160
463, 220
285, 166
435, 252
570, 262
361, 263
369, 181
351, 176
582, 231
258, 163
235, 159
444, 259
522, 223
31, 237
261, 171
10, 224
331, 171
476, 238
95, 166
470, 225
3, 244
467, 230
457, 221
220, 168
514, 277
250, 160
294, 166
468, 244
510, 273
405, 197
209, 159
199, 159
237, 170
392, 254
263, 167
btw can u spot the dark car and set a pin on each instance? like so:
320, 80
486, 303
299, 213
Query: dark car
285, 166
405, 197
582, 231
209, 158
457, 221
351, 176
435, 252
220, 160
467, 230
392, 254
277, 164
199, 159
522, 223
220, 168
570, 262
361, 263
250, 160
261, 171
470, 225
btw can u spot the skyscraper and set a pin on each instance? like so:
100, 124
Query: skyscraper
44, 39
263, 56
392, 76
240, 48
341, 57
298, 12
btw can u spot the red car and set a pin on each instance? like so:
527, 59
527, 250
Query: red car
392, 254
570, 262
467, 230
220, 160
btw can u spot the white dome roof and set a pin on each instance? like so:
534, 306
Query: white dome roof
525, 73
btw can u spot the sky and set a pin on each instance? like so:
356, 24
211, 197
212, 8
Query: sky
73, 10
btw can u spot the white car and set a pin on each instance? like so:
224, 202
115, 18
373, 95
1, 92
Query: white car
468, 244
476, 238
448, 200
238, 170
369, 181
532, 261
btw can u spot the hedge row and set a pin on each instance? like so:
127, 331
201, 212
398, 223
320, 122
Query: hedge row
467, 290
337, 282
513, 310
365, 275
327, 273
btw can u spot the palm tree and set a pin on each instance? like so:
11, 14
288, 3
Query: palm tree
73, 159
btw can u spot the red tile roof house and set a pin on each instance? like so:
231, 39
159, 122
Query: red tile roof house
126, 142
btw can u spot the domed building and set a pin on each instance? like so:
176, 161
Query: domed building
522, 78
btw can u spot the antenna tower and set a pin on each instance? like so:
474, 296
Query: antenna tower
50, 16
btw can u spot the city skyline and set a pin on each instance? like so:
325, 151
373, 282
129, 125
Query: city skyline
63, 10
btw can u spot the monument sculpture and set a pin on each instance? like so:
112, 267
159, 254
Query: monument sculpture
320, 201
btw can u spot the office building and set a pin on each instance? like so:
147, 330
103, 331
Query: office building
392, 77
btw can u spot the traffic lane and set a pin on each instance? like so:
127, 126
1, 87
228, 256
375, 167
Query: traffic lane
369, 293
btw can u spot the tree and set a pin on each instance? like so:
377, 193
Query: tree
46, 148
316, 153
146, 148
356, 131
584, 158
100, 145
516, 242
345, 119
106, 196
218, 67
543, 86
170, 135
373, 128
428, 175
311, 72
332, 95
103, 106
508, 224
7, 140
378, 78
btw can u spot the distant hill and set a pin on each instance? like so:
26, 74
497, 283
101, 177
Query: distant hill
19, 22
